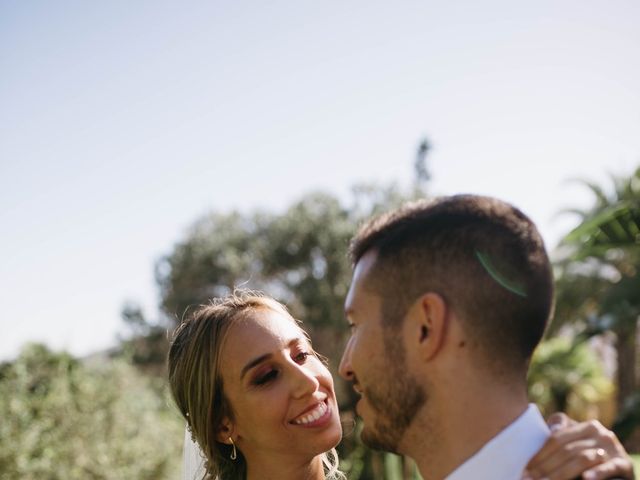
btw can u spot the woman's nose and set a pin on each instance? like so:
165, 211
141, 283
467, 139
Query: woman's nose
304, 381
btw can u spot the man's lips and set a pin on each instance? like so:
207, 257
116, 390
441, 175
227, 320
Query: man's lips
355, 384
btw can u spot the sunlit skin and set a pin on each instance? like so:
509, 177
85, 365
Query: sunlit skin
285, 412
387, 392
376, 375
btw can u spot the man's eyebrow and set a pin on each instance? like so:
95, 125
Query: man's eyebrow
253, 363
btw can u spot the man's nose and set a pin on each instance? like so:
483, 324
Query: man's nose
345, 369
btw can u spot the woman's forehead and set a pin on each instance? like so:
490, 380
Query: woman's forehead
266, 323
262, 332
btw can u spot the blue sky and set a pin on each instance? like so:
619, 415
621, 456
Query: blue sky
123, 122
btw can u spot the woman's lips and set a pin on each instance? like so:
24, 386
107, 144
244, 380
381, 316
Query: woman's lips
318, 415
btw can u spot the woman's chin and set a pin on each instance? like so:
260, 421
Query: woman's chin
328, 430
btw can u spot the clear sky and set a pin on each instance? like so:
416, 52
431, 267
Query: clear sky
122, 122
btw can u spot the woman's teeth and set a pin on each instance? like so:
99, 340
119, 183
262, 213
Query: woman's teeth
313, 415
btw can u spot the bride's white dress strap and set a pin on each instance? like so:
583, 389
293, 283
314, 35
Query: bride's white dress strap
192, 459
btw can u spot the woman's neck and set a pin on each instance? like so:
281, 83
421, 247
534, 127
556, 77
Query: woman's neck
287, 470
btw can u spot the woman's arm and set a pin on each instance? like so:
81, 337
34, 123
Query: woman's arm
574, 449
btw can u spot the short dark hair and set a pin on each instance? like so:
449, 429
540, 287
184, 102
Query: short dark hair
482, 255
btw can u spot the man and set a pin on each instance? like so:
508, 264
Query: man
449, 299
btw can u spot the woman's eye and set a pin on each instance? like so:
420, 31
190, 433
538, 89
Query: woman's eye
266, 378
301, 357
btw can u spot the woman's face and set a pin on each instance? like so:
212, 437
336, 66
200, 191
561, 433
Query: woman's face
281, 394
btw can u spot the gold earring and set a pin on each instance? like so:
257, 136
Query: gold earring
234, 454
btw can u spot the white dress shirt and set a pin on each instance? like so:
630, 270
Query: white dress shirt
505, 455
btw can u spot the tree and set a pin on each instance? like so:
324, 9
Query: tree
567, 376
300, 257
422, 175
144, 342
599, 284
218, 254
65, 419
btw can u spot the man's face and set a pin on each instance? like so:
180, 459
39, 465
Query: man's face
374, 361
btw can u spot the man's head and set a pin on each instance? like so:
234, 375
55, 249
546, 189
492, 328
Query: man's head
476, 257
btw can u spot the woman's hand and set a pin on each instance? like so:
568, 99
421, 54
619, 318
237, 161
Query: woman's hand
584, 450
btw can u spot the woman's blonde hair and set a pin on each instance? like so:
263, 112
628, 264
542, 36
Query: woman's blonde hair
196, 382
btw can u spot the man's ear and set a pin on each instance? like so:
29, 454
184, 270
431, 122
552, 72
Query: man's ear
430, 324
225, 430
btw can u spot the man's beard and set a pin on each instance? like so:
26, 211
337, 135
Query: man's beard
396, 399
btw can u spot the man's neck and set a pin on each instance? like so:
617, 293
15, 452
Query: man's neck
458, 427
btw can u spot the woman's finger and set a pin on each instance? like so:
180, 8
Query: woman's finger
559, 459
577, 464
614, 468
559, 420
557, 442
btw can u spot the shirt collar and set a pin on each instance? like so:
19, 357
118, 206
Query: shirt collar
505, 455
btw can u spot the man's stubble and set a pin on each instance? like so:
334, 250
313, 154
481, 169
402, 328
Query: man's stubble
396, 398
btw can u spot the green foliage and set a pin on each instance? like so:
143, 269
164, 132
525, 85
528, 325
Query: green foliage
218, 254
612, 222
599, 271
64, 419
305, 262
629, 416
143, 343
567, 376
299, 256
599, 277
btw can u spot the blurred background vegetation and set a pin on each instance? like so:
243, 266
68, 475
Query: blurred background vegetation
109, 416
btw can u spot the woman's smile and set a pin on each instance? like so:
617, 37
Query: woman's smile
317, 416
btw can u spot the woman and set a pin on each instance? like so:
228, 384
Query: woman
261, 403
278, 415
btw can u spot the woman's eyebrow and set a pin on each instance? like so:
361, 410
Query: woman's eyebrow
266, 356
254, 362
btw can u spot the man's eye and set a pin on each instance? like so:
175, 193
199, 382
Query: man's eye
266, 378
301, 357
